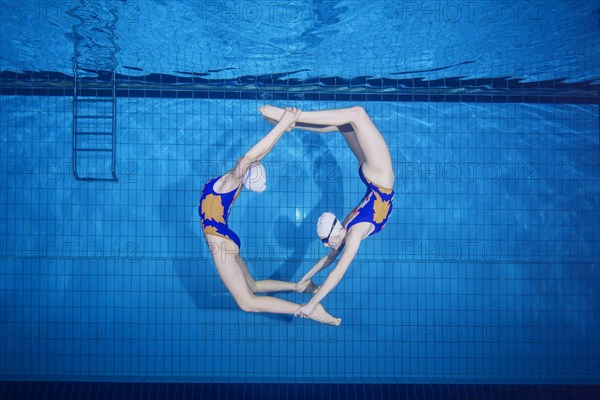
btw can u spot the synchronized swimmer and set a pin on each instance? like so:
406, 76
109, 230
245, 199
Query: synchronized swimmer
368, 218
216, 200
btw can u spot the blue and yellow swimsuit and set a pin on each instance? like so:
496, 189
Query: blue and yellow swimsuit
375, 208
214, 211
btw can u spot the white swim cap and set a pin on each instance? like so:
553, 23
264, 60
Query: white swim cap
256, 178
325, 224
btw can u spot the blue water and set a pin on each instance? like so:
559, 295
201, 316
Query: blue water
486, 272
533, 40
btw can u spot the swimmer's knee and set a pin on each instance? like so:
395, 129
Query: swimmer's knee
248, 304
253, 286
245, 306
360, 112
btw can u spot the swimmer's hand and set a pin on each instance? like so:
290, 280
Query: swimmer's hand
289, 118
274, 115
305, 310
307, 286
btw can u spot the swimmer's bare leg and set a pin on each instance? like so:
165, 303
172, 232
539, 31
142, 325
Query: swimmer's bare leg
227, 262
360, 132
266, 285
273, 114
326, 118
270, 285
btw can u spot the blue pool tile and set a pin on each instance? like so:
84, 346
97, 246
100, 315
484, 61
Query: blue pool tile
232, 95
500, 99
39, 92
200, 95
452, 98
531, 99
389, 97
88, 92
8, 91
23, 91
594, 100
358, 97
184, 94
137, 93
249, 95
152, 93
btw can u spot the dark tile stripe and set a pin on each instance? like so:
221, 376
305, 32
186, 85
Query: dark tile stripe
309, 96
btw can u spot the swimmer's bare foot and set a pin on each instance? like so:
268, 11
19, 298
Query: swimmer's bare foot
307, 287
272, 121
271, 113
320, 315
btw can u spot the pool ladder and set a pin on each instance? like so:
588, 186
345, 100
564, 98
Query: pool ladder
94, 131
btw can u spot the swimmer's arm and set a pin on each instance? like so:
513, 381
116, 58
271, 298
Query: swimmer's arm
328, 259
235, 176
264, 146
321, 264
335, 276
